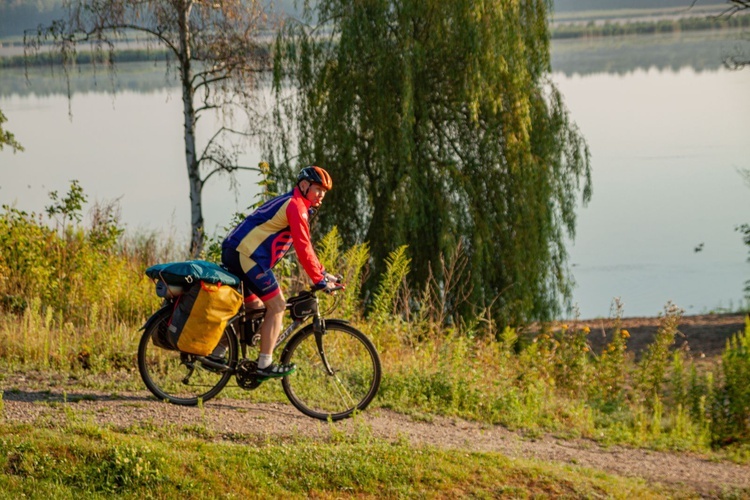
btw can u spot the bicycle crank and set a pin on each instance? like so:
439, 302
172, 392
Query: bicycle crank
246, 376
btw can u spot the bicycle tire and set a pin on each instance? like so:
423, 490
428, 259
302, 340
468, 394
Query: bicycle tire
356, 372
163, 370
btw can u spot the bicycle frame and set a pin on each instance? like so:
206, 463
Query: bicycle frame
257, 314
318, 325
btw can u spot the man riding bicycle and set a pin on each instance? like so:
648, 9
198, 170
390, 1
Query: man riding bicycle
254, 247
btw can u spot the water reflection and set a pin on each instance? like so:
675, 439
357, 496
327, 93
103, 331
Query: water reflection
142, 77
701, 51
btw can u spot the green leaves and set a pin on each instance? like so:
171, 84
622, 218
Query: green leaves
440, 127
384, 303
70, 206
6, 138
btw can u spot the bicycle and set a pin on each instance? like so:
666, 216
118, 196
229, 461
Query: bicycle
338, 367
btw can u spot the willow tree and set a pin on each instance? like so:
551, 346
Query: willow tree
440, 126
216, 55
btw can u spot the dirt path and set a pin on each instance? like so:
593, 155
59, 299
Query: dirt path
243, 421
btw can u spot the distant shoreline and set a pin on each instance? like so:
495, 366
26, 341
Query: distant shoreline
582, 25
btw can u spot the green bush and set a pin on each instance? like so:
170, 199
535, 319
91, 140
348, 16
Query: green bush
731, 409
84, 274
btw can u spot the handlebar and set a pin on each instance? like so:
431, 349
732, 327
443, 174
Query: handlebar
339, 286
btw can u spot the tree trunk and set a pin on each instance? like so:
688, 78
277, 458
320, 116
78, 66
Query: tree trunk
194, 178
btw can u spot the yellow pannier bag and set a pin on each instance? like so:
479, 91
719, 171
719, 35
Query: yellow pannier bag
200, 316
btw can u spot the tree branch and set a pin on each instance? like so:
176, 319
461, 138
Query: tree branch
226, 168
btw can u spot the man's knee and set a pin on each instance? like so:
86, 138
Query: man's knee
254, 303
275, 305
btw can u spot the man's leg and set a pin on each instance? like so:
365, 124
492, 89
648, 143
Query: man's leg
269, 333
272, 322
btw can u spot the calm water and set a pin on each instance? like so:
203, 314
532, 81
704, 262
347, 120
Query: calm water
667, 137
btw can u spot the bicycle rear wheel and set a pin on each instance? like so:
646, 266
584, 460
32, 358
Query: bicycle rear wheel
352, 381
178, 377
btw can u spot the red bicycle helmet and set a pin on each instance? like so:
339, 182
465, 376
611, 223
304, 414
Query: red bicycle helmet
317, 175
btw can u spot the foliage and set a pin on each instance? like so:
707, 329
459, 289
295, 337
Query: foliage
76, 272
653, 365
744, 229
732, 408
216, 54
6, 138
612, 366
440, 126
68, 207
385, 301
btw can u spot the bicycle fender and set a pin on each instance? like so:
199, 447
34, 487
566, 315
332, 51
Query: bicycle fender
337, 321
156, 316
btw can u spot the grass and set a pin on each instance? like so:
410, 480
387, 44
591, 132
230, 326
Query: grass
72, 459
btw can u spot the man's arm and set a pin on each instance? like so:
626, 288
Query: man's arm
296, 214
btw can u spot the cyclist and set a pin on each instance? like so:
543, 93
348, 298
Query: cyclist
253, 248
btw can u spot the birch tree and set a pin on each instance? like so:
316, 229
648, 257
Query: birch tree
216, 54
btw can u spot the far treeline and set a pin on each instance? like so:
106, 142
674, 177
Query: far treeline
19, 15
557, 32
591, 29
587, 5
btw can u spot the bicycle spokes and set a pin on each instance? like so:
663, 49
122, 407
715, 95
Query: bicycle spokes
337, 372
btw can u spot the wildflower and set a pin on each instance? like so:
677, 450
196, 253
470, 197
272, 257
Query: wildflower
586, 330
625, 334
585, 349
564, 327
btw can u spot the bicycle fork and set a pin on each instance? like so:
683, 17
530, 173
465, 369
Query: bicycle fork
319, 329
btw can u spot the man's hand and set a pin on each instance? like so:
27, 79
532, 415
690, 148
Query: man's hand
333, 283
329, 283
330, 278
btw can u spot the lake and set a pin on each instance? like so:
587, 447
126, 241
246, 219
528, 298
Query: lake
665, 122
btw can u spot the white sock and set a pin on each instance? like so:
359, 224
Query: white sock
264, 360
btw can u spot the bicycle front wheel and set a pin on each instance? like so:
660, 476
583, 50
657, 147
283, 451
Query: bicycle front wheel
332, 382
178, 377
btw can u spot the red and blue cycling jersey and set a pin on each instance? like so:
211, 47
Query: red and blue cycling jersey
266, 235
